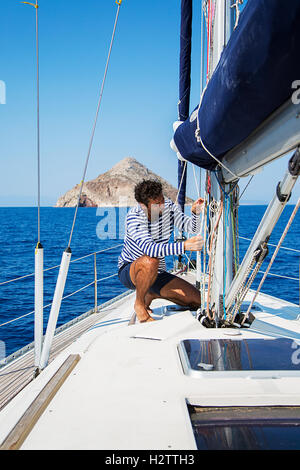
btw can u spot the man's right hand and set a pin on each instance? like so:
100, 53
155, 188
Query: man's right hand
194, 243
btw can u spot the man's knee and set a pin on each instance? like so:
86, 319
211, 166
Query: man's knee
144, 263
151, 263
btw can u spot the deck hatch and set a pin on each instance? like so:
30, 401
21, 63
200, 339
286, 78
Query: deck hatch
238, 355
245, 428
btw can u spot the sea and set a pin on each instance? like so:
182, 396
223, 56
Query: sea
98, 229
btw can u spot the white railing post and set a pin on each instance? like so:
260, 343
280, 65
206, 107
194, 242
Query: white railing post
38, 303
59, 289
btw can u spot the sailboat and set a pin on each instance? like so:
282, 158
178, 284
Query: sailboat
226, 376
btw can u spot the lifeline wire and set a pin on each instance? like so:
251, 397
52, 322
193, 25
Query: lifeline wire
58, 265
118, 2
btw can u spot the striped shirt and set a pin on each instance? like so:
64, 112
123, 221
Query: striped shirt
144, 237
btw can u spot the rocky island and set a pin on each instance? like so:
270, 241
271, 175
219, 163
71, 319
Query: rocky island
115, 187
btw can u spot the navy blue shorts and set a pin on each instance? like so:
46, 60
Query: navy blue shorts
162, 279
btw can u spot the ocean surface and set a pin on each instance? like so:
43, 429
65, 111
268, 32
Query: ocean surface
95, 230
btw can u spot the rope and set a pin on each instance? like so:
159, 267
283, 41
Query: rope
237, 11
118, 2
212, 256
198, 136
273, 257
247, 283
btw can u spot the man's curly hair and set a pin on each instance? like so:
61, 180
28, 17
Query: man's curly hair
146, 190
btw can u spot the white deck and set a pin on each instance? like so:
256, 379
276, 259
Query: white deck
129, 391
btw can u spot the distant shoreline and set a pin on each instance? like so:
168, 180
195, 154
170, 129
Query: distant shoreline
95, 207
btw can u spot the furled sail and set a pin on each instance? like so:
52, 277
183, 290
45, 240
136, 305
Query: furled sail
184, 85
253, 78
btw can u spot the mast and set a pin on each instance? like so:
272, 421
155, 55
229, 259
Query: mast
221, 271
231, 134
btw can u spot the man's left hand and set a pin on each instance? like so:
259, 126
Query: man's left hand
198, 205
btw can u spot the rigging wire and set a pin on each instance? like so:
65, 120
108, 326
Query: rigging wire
36, 6
38, 122
246, 187
270, 244
273, 258
118, 2
181, 181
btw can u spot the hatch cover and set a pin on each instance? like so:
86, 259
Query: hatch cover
200, 357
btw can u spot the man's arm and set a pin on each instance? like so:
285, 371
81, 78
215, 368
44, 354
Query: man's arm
185, 223
137, 230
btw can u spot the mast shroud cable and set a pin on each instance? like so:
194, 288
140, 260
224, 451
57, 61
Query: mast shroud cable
273, 258
119, 2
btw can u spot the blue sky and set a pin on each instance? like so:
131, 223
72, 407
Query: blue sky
139, 103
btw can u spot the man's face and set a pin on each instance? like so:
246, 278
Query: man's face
155, 207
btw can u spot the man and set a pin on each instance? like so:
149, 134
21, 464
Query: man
142, 267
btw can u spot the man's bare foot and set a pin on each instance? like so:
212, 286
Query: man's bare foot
142, 313
149, 319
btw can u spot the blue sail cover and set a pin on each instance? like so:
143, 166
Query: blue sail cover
184, 84
252, 79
